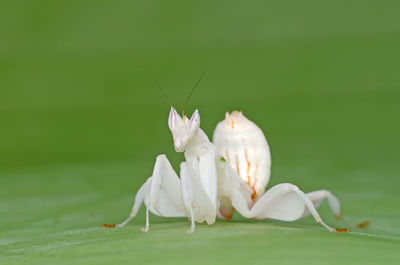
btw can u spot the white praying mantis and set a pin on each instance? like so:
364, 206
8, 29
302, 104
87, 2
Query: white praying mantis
217, 178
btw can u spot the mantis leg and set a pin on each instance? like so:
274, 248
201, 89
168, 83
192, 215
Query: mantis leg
284, 202
138, 202
198, 205
146, 228
161, 194
317, 198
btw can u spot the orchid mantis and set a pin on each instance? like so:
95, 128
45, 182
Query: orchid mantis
217, 178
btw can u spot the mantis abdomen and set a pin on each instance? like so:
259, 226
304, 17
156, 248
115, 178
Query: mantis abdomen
244, 147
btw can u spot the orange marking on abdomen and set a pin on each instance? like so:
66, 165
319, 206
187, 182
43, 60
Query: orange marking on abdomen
248, 166
237, 165
254, 195
227, 156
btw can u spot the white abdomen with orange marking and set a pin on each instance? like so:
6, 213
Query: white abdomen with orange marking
244, 146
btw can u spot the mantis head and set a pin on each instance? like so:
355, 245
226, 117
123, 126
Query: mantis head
183, 129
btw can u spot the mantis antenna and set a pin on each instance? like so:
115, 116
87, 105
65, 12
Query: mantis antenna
191, 92
158, 85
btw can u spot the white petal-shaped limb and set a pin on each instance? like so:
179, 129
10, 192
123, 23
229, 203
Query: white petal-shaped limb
161, 194
318, 196
208, 177
165, 190
229, 184
285, 202
196, 200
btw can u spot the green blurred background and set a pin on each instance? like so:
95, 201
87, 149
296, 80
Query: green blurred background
81, 124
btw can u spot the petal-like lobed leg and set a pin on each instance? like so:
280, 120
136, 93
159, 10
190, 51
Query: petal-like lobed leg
161, 193
198, 205
285, 202
165, 196
317, 198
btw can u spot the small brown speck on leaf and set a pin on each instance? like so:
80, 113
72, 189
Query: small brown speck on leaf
364, 224
342, 230
107, 225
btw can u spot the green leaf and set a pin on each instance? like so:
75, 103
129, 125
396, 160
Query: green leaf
81, 124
